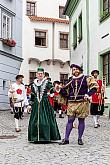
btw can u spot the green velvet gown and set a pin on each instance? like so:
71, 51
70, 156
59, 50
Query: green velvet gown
42, 123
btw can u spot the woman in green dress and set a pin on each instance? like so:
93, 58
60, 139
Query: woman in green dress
42, 125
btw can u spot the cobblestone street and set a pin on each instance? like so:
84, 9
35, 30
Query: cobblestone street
17, 151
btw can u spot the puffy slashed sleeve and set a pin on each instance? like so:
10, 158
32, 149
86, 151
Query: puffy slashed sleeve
92, 85
11, 92
50, 87
65, 90
25, 97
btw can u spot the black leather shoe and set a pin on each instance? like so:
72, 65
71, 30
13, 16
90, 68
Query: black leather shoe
80, 142
60, 116
96, 126
64, 142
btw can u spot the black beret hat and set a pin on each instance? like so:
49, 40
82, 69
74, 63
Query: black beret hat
95, 71
76, 66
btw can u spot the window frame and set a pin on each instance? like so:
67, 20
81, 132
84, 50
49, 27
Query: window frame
75, 38
108, 3
4, 85
31, 2
6, 36
80, 28
30, 78
41, 30
64, 33
62, 16
106, 65
104, 14
64, 80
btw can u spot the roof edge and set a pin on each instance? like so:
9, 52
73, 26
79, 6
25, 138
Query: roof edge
70, 7
47, 19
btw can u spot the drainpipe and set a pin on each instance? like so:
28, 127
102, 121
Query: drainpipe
53, 41
88, 36
70, 49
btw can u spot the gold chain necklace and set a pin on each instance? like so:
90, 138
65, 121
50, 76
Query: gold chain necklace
76, 91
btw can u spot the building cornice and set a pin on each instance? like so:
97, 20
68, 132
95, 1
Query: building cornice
70, 7
46, 19
6, 9
49, 61
11, 56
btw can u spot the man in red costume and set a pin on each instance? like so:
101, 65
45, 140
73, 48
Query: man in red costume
97, 103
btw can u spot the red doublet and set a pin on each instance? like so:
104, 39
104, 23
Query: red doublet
56, 94
51, 100
28, 91
97, 97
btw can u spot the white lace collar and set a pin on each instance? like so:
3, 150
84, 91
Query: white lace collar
38, 83
40, 92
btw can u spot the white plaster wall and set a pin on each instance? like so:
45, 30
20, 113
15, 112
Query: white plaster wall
104, 29
94, 34
79, 55
10, 6
53, 70
38, 52
31, 51
46, 9
97, 31
28, 37
62, 54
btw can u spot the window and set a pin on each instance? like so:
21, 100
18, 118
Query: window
61, 11
64, 78
6, 26
63, 40
105, 9
30, 8
106, 67
40, 38
75, 35
32, 76
106, 6
4, 84
80, 28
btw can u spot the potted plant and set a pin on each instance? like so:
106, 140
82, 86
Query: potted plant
9, 42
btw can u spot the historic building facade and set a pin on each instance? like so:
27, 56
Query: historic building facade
10, 45
45, 39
